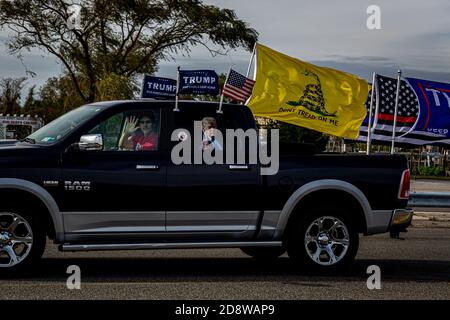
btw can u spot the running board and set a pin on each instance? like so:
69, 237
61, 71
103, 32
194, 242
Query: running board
167, 245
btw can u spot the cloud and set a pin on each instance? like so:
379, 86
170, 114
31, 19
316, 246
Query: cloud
414, 37
220, 64
365, 70
358, 59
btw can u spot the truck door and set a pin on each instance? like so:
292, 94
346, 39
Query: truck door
118, 192
218, 200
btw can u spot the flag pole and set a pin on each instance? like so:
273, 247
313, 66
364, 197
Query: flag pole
369, 127
142, 86
251, 60
176, 95
221, 96
399, 76
250, 66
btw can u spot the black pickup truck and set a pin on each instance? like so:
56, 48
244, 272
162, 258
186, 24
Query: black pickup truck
103, 177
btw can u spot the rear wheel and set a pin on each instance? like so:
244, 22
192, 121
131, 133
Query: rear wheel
22, 240
323, 239
264, 252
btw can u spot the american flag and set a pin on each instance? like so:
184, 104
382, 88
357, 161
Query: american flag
238, 87
408, 110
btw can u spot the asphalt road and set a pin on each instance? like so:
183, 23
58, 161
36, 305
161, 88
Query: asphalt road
415, 268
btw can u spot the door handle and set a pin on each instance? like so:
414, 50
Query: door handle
238, 167
147, 167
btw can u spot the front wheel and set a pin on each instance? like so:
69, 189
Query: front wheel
323, 240
22, 240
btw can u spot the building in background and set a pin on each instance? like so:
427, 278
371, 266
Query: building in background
17, 127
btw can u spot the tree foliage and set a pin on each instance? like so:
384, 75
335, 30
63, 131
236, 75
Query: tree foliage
292, 133
116, 39
10, 93
58, 96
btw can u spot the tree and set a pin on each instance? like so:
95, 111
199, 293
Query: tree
30, 102
293, 133
116, 87
56, 97
50, 101
116, 39
10, 90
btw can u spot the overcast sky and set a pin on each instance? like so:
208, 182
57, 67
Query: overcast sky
414, 37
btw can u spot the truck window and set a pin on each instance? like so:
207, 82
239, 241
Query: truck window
213, 122
110, 130
131, 131
64, 125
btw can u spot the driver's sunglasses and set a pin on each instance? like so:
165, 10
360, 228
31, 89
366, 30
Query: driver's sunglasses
145, 122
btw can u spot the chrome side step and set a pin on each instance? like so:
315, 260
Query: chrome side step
166, 245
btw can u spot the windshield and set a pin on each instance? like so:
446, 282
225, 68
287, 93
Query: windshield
65, 124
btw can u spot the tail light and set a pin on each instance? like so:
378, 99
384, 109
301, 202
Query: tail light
403, 193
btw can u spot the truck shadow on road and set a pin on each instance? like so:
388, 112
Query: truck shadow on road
227, 270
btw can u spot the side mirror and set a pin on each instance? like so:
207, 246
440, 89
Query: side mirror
91, 142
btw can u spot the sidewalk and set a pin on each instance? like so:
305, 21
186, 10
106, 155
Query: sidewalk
435, 216
426, 185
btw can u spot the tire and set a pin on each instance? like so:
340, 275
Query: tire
22, 240
264, 253
322, 239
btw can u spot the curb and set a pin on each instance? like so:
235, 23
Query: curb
432, 216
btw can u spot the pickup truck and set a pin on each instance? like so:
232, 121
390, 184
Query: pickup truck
101, 177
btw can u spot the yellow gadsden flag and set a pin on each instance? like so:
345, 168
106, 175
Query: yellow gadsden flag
303, 94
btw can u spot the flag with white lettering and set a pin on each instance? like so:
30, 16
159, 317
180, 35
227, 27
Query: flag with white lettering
434, 106
158, 88
198, 82
407, 134
238, 87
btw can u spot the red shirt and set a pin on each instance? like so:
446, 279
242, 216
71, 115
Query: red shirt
140, 142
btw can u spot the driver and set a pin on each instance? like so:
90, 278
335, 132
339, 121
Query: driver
139, 133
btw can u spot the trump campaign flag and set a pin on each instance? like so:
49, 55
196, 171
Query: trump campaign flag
433, 120
408, 129
158, 88
198, 82
300, 93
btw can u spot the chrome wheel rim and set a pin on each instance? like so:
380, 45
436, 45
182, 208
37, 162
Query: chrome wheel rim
16, 239
327, 240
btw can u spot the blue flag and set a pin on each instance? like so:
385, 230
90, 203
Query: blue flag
434, 106
158, 88
199, 82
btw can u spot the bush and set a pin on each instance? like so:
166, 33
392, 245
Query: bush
435, 171
438, 171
